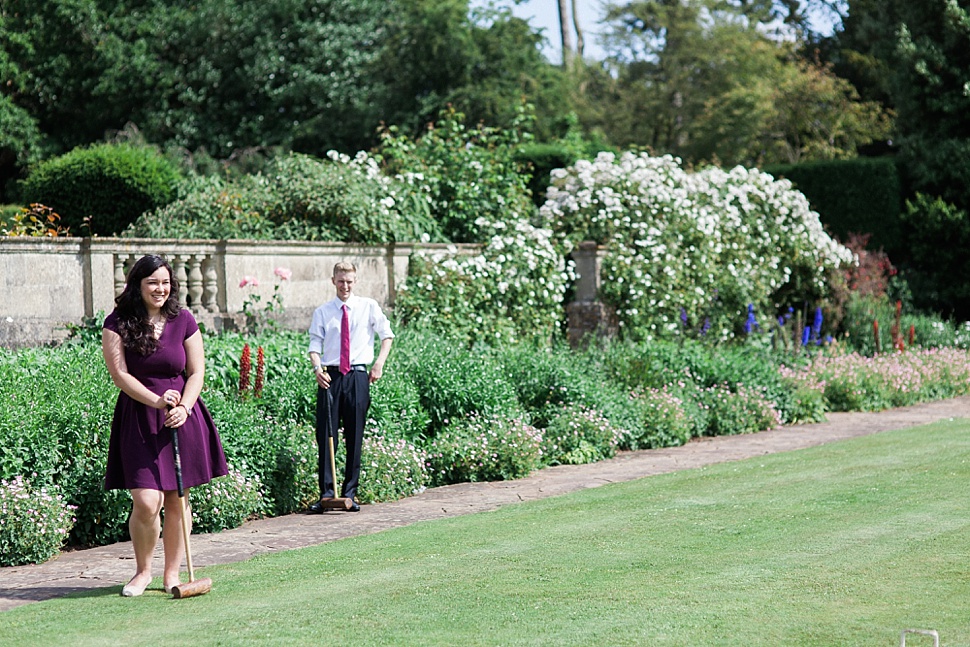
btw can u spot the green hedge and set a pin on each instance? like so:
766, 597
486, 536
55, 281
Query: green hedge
861, 195
102, 189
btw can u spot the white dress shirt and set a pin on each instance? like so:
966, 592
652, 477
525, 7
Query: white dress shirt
366, 320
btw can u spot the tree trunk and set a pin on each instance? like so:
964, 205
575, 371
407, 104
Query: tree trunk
567, 40
580, 43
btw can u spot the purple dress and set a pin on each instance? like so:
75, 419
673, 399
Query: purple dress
140, 448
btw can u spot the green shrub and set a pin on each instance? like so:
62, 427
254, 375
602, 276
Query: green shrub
856, 383
454, 382
289, 389
102, 515
104, 188
684, 367
390, 469
297, 197
476, 448
34, 522
739, 411
225, 502
212, 208
396, 407
466, 174
513, 290
937, 267
806, 405
347, 199
258, 444
661, 420
578, 435
862, 195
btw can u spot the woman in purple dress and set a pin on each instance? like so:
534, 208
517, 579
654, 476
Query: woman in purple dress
153, 350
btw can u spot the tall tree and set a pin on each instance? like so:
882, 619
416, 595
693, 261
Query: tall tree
700, 79
931, 79
485, 64
20, 139
218, 74
565, 35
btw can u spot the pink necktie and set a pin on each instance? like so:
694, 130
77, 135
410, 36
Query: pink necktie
345, 341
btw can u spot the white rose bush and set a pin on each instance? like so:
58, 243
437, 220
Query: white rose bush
689, 252
512, 290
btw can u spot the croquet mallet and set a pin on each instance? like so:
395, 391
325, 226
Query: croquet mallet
194, 587
335, 502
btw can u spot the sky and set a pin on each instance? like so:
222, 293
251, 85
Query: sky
544, 14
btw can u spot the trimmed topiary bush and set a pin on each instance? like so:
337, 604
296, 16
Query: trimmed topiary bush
102, 189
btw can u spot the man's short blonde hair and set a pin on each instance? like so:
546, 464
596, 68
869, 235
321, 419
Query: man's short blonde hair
344, 267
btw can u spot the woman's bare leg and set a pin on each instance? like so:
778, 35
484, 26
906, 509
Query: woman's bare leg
144, 526
172, 536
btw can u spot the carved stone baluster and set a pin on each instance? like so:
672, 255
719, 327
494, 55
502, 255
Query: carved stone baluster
119, 272
210, 284
195, 282
178, 265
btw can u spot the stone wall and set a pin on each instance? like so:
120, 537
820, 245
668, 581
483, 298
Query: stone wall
47, 284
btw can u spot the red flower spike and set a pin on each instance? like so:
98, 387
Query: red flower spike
245, 368
260, 372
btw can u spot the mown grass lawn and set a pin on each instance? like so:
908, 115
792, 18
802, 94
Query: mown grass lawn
844, 544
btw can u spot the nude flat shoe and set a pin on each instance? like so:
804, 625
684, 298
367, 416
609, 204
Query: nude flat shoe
133, 591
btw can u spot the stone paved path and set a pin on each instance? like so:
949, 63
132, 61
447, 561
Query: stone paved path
113, 565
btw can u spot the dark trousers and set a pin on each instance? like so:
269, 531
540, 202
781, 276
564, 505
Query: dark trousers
350, 399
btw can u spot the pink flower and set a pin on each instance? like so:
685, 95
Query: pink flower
249, 280
283, 273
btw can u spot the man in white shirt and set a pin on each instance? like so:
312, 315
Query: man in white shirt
342, 335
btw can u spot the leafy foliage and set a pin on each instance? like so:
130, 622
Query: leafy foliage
514, 289
34, 522
390, 469
454, 382
576, 435
102, 188
703, 245
470, 175
937, 233
298, 197
225, 502
37, 220
478, 449
485, 413
483, 62
709, 81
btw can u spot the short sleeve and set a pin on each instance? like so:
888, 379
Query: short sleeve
191, 326
111, 322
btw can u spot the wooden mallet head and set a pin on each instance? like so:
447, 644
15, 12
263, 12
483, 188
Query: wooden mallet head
192, 589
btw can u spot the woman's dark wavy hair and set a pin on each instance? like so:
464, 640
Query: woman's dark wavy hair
135, 329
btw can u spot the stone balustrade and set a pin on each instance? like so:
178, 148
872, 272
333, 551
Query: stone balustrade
47, 284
